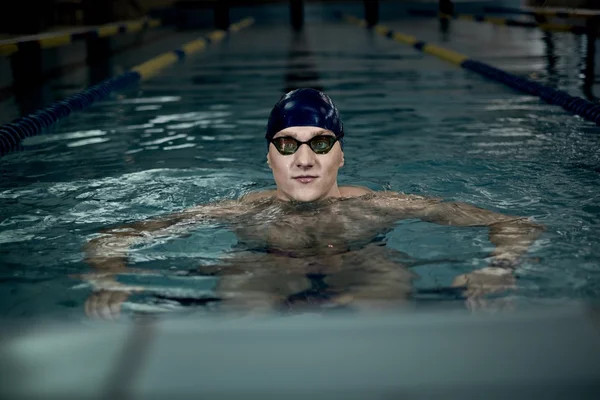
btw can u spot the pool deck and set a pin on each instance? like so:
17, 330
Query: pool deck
540, 353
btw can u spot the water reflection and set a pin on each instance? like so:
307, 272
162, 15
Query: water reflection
301, 69
445, 29
551, 58
588, 61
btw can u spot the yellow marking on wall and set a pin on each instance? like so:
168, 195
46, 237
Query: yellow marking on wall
108, 30
135, 26
153, 23
8, 49
54, 41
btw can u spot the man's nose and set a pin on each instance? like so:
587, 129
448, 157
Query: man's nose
305, 157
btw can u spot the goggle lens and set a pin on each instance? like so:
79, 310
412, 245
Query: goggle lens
319, 144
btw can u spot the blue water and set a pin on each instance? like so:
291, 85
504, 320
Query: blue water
194, 134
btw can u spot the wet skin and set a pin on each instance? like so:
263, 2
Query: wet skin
284, 245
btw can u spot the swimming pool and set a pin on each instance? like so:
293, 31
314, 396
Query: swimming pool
195, 134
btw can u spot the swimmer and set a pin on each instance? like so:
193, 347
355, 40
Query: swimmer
310, 240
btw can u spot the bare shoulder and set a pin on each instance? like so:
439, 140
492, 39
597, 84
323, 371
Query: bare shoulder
354, 191
255, 196
398, 200
405, 196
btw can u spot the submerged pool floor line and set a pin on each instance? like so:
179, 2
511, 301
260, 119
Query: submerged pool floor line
576, 105
34, 124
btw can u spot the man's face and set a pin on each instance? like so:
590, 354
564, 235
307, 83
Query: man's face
305, 175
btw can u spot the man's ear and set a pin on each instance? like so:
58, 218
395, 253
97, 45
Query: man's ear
342, 162
269, 160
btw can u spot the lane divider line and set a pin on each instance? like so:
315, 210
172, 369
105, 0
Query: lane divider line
13, 133
576, 105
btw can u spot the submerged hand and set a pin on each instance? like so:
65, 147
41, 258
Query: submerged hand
478, 284
105, 304
107, 298
505, 260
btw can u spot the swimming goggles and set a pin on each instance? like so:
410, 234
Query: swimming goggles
322, 144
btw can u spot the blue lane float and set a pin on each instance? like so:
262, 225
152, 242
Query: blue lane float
576, 105
11, 134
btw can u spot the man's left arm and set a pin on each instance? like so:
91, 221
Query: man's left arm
511, 235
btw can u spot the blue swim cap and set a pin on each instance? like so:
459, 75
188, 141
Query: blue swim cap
305, 107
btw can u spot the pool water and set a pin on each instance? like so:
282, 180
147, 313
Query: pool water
195, 134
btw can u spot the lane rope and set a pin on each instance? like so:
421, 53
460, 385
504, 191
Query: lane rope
57, 39
13, 133
576, 105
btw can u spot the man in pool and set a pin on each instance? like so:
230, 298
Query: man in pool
309, 240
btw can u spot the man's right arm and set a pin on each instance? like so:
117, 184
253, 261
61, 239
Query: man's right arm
109, 251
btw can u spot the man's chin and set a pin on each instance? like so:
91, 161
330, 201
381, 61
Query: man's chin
306, 196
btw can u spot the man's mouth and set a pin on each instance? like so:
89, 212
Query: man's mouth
305, 178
